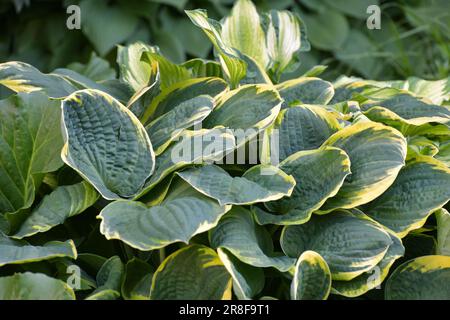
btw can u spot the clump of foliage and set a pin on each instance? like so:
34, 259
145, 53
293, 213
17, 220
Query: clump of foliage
123, 189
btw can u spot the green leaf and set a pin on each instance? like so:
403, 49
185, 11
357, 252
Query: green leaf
258, 184
96, 69
318, 174
22, 77
327, 30
175, 219
420, 188
286, 37
106, 144
377, 153
351, 245
168, 127
95, 16
64, 202
34, 286
436, 91
242, 30
138, 280
303, 127
423, 278
312, 278
238, 233
179, 4
194, 147
262, 105
443, 232
195, 273
305, 90
372, 278
354, 8
109, 280
20, 251
248, 281
30, 143
203, 68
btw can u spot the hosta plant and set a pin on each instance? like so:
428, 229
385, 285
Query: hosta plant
216, 180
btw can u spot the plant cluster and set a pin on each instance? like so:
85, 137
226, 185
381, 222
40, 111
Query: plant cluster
147, 186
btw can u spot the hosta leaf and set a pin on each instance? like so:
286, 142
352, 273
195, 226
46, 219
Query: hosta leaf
391, 105
138, 280
121, 24
262, 105
242, 237
318, 174
195, 273
286, 36
354, 8
242, 30
67, 271
248, 281
96, 69
22, 77
305, 90
20, 251
312, 278
350, 245
423, 278
420, 188
443, 153
109, 279
34, 286
172, 221
372, 278
133, 71
203, 68
443, 232
163, 130
303, 128
106, 144
436, 91
377, 153
181, 92
64, 202
30, 143
194, 147
237, 67
258, 184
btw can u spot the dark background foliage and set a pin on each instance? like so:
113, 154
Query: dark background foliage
413, 40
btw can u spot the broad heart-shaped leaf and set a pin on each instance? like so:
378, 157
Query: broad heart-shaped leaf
22, 77
436, 91
258, 184
96, 16
391, 105
237, 67
181, 92
443, 232
96, 69
30, 143
175, 219
34, 286
286, 37
192, 273
163, 130
318, 174
248, 110
312, 278
372, 278
138, 279
194, 147
423, 278
20, 251
243, 31
248, 281
421, 187
377, 153
106, 144
305, 90
109, 280
303, 127
64, 202
350, 244
238, 233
